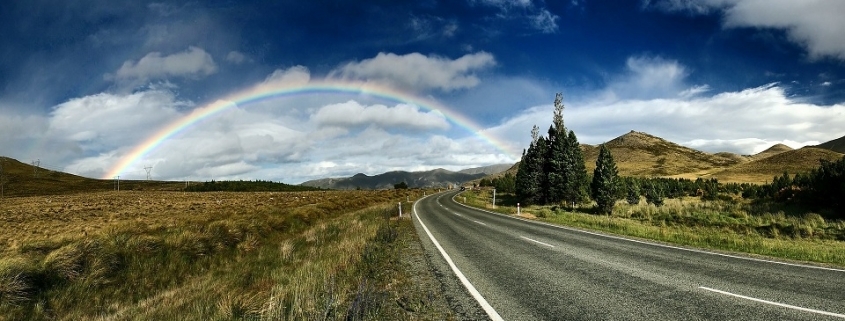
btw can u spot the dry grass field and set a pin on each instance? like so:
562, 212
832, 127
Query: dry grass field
761, 170
211, 256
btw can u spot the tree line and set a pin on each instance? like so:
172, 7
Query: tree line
247, 186
552, 171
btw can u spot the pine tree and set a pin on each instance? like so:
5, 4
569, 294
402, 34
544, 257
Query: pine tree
605, 185
576, 186
555, 167
633, 193
555, 155
530, 177
654, 194
539, 177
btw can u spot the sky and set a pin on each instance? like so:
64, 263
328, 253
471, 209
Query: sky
291, 91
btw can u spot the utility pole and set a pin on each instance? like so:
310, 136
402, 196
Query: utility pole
148, 169
117, 182
35, 165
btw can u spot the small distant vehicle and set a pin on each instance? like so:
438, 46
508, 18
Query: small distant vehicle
463, 188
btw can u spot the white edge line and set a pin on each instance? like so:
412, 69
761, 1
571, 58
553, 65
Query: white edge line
773, 303
651, 243
475, 294
538, 242
479, 222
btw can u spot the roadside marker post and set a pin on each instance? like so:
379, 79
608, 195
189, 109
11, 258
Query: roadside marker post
517, 209
400, 209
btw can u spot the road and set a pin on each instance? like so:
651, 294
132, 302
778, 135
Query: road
521, 270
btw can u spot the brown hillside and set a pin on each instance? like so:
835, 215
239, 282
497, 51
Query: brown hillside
836, 145
738, 158
641, 154
19, 179
774, 150
762, 170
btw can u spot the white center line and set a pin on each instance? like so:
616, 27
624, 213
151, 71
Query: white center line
774, 303
479, 222
538, 242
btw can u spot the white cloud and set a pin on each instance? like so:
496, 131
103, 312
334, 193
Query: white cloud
418, 72
743, 122
296, 75
816, 25
236, 57
651, 77
105, 121
536, 15
505, 4
192, 62
545, 21
353, 114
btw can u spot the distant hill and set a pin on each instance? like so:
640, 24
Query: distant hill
836, 145
19, 179
641, 154
738, 158
433, 178
487, 170
771, 151
762, 170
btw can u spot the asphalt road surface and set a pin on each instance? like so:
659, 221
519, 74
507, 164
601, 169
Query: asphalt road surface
513, 269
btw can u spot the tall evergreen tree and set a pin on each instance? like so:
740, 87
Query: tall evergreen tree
539, 179
530, 175
576, 188
605, 186
555, 166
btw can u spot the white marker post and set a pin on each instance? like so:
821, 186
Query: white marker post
494, 198
400, 209
517, 209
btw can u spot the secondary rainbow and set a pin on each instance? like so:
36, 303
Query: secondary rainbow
261, 93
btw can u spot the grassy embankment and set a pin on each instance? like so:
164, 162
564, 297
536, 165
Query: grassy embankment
212, 256
740, 226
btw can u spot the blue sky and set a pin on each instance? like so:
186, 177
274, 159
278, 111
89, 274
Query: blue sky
81, 84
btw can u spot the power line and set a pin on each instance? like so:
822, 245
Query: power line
148, 169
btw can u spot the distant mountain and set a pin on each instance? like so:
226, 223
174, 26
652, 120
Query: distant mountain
433, 178
487, 170
762, 170
771, 151
641, 154
836, 145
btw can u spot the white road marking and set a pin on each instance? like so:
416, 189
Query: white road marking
654, 244
538, 242
774, 303
479, 222
475, 294
456, 213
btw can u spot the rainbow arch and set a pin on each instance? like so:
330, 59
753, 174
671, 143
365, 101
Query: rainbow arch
266, 92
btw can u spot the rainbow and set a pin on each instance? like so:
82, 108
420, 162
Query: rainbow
265, 92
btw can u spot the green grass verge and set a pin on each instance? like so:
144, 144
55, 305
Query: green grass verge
722, 226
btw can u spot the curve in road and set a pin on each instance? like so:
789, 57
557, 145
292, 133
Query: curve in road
524, 270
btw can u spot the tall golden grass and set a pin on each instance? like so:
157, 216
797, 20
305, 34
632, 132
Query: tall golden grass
204, 256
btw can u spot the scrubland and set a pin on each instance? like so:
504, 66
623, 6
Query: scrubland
212, 256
